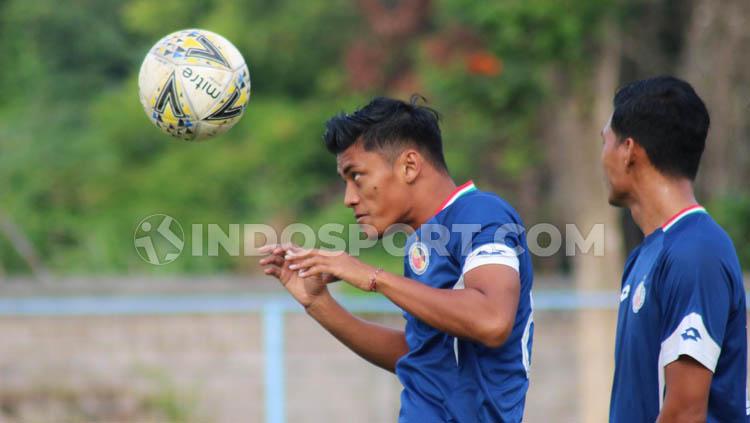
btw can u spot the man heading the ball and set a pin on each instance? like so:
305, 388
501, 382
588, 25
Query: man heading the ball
681, 349
465, 351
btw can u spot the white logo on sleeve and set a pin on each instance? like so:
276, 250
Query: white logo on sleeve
625, 292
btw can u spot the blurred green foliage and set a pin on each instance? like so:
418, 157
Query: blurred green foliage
80, 164
733, 212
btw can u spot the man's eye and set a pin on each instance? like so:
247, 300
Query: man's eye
356, 176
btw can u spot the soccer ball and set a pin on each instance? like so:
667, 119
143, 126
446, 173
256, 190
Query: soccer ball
194, 84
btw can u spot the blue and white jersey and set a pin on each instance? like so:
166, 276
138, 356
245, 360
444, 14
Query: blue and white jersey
682, 294
447, 379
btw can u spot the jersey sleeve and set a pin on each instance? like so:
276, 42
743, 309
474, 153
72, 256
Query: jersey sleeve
490, 233
695, 298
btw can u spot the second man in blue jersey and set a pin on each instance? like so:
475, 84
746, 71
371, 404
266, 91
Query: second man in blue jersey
681, 348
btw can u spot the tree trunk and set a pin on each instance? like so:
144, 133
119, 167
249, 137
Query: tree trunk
715, 59
583, 201
23, 246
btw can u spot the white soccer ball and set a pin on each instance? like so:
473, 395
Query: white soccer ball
194, 84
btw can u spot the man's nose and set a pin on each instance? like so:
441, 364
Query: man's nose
351, 198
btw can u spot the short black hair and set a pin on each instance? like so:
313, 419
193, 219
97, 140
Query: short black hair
667, 118
389, 125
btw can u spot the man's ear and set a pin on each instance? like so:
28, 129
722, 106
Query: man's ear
631, 152
409, 165
634, 154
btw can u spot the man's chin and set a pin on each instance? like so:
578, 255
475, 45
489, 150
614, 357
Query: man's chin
370, 231
616, 201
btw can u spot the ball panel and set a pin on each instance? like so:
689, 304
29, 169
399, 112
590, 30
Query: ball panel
167, 47
199, 47
166, 103
232, 106
228, 50
208, 129
204, 86
154, 72
242, 79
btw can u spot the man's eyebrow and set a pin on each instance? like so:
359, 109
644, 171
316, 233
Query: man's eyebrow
346, 169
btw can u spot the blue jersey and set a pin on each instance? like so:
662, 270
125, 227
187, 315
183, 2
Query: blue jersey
447, 379
682, 294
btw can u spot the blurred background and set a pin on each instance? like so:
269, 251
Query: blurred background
91, 332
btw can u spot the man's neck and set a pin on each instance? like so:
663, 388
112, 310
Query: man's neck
429, 194
660, 199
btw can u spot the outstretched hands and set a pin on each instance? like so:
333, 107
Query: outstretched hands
305, 272
304, 290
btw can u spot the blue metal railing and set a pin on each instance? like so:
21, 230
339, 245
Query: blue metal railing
272, 308
251, 303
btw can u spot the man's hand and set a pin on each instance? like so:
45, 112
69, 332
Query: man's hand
380, 345
316, 263
305, 290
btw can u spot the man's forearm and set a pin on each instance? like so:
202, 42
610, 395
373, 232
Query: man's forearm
380, 345
465, 313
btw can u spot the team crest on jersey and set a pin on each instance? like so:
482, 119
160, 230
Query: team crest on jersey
639, 297
419, 258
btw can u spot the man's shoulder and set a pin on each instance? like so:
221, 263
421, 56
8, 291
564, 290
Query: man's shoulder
699, 240
699, 253
478, 206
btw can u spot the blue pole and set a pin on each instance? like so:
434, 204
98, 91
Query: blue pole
273, 350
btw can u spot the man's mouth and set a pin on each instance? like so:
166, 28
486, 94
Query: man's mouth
360, 216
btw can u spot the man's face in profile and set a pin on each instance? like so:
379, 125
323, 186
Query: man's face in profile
378, 197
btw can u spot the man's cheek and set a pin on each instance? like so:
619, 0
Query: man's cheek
370, 192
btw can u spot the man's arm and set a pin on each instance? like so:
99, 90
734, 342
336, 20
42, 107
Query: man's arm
484, 311
687, 386
696, 297
380, 345
377, 344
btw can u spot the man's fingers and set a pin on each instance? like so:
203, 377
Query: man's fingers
277, 249
282, 249
303, 263
269, 248
298, 252
272, 259
266, 249
312, 271
274, 271
296, 257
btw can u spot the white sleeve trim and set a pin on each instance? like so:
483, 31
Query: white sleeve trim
525, 352
494, 253
690, 338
